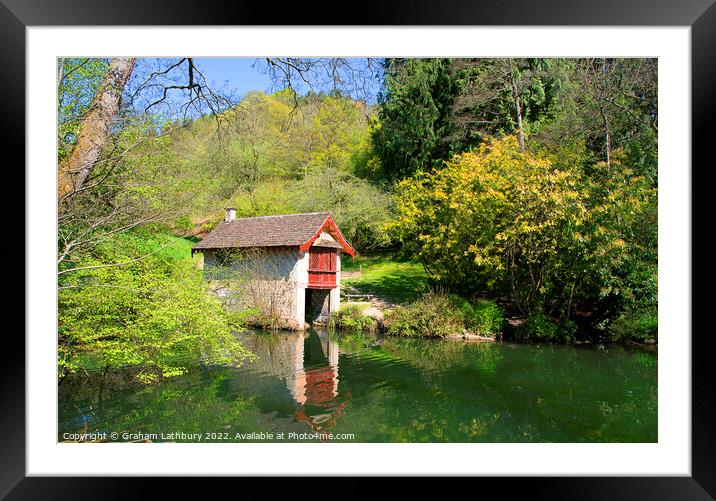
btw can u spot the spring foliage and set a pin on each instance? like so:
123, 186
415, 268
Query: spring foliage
439, 315
154, 313
351, 318
498, 218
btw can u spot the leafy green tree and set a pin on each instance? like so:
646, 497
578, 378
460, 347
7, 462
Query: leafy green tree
608, 105
623, 243
415, 128
150, 308
433, 108
505, 96
272, 140
277, 158
501, 219
78, 81
94, 128
360, 208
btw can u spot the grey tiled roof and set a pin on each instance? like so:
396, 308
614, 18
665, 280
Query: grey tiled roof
266, 231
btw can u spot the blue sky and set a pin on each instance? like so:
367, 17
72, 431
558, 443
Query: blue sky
237, 73
234, 78
242, 75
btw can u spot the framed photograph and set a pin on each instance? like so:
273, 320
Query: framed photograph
429, 243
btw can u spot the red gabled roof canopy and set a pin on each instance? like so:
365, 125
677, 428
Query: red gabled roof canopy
330, 227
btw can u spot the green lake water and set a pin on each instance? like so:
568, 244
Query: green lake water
363, 388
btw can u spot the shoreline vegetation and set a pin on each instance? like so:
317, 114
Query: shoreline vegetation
506, 198
434, 314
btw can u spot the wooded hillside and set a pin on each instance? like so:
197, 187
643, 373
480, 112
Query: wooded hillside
534, 180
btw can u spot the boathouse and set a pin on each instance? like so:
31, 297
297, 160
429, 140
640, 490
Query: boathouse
292, 261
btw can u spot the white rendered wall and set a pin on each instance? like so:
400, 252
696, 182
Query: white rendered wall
336, 292
280, 281
198, 258
209, 258
300, 277
300, 270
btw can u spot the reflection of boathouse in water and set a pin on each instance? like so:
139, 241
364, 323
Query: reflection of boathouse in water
308, 364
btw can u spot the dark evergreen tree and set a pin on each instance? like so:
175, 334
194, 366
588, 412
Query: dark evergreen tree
415, 114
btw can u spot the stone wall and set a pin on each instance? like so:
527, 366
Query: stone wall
274, 280
266, 280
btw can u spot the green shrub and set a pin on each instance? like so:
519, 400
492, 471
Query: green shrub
640, 325
437, 314
433, 315
485, 318
351, 318
156, 313
183, 223
538, 327
567, 331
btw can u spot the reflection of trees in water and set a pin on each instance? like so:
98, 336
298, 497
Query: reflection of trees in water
454, 391
437, 356
197, 402
390, 390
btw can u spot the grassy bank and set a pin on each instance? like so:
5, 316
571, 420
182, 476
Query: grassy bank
386, 277
404, 283
442, 315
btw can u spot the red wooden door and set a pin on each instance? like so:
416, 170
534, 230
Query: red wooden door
322, 270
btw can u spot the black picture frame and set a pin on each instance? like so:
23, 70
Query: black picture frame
700, 15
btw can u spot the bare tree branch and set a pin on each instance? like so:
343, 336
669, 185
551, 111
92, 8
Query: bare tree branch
100, 266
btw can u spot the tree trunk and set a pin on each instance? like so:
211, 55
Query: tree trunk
607, 137
60, 69
518, 108
95, 128
607, 141
568, 311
